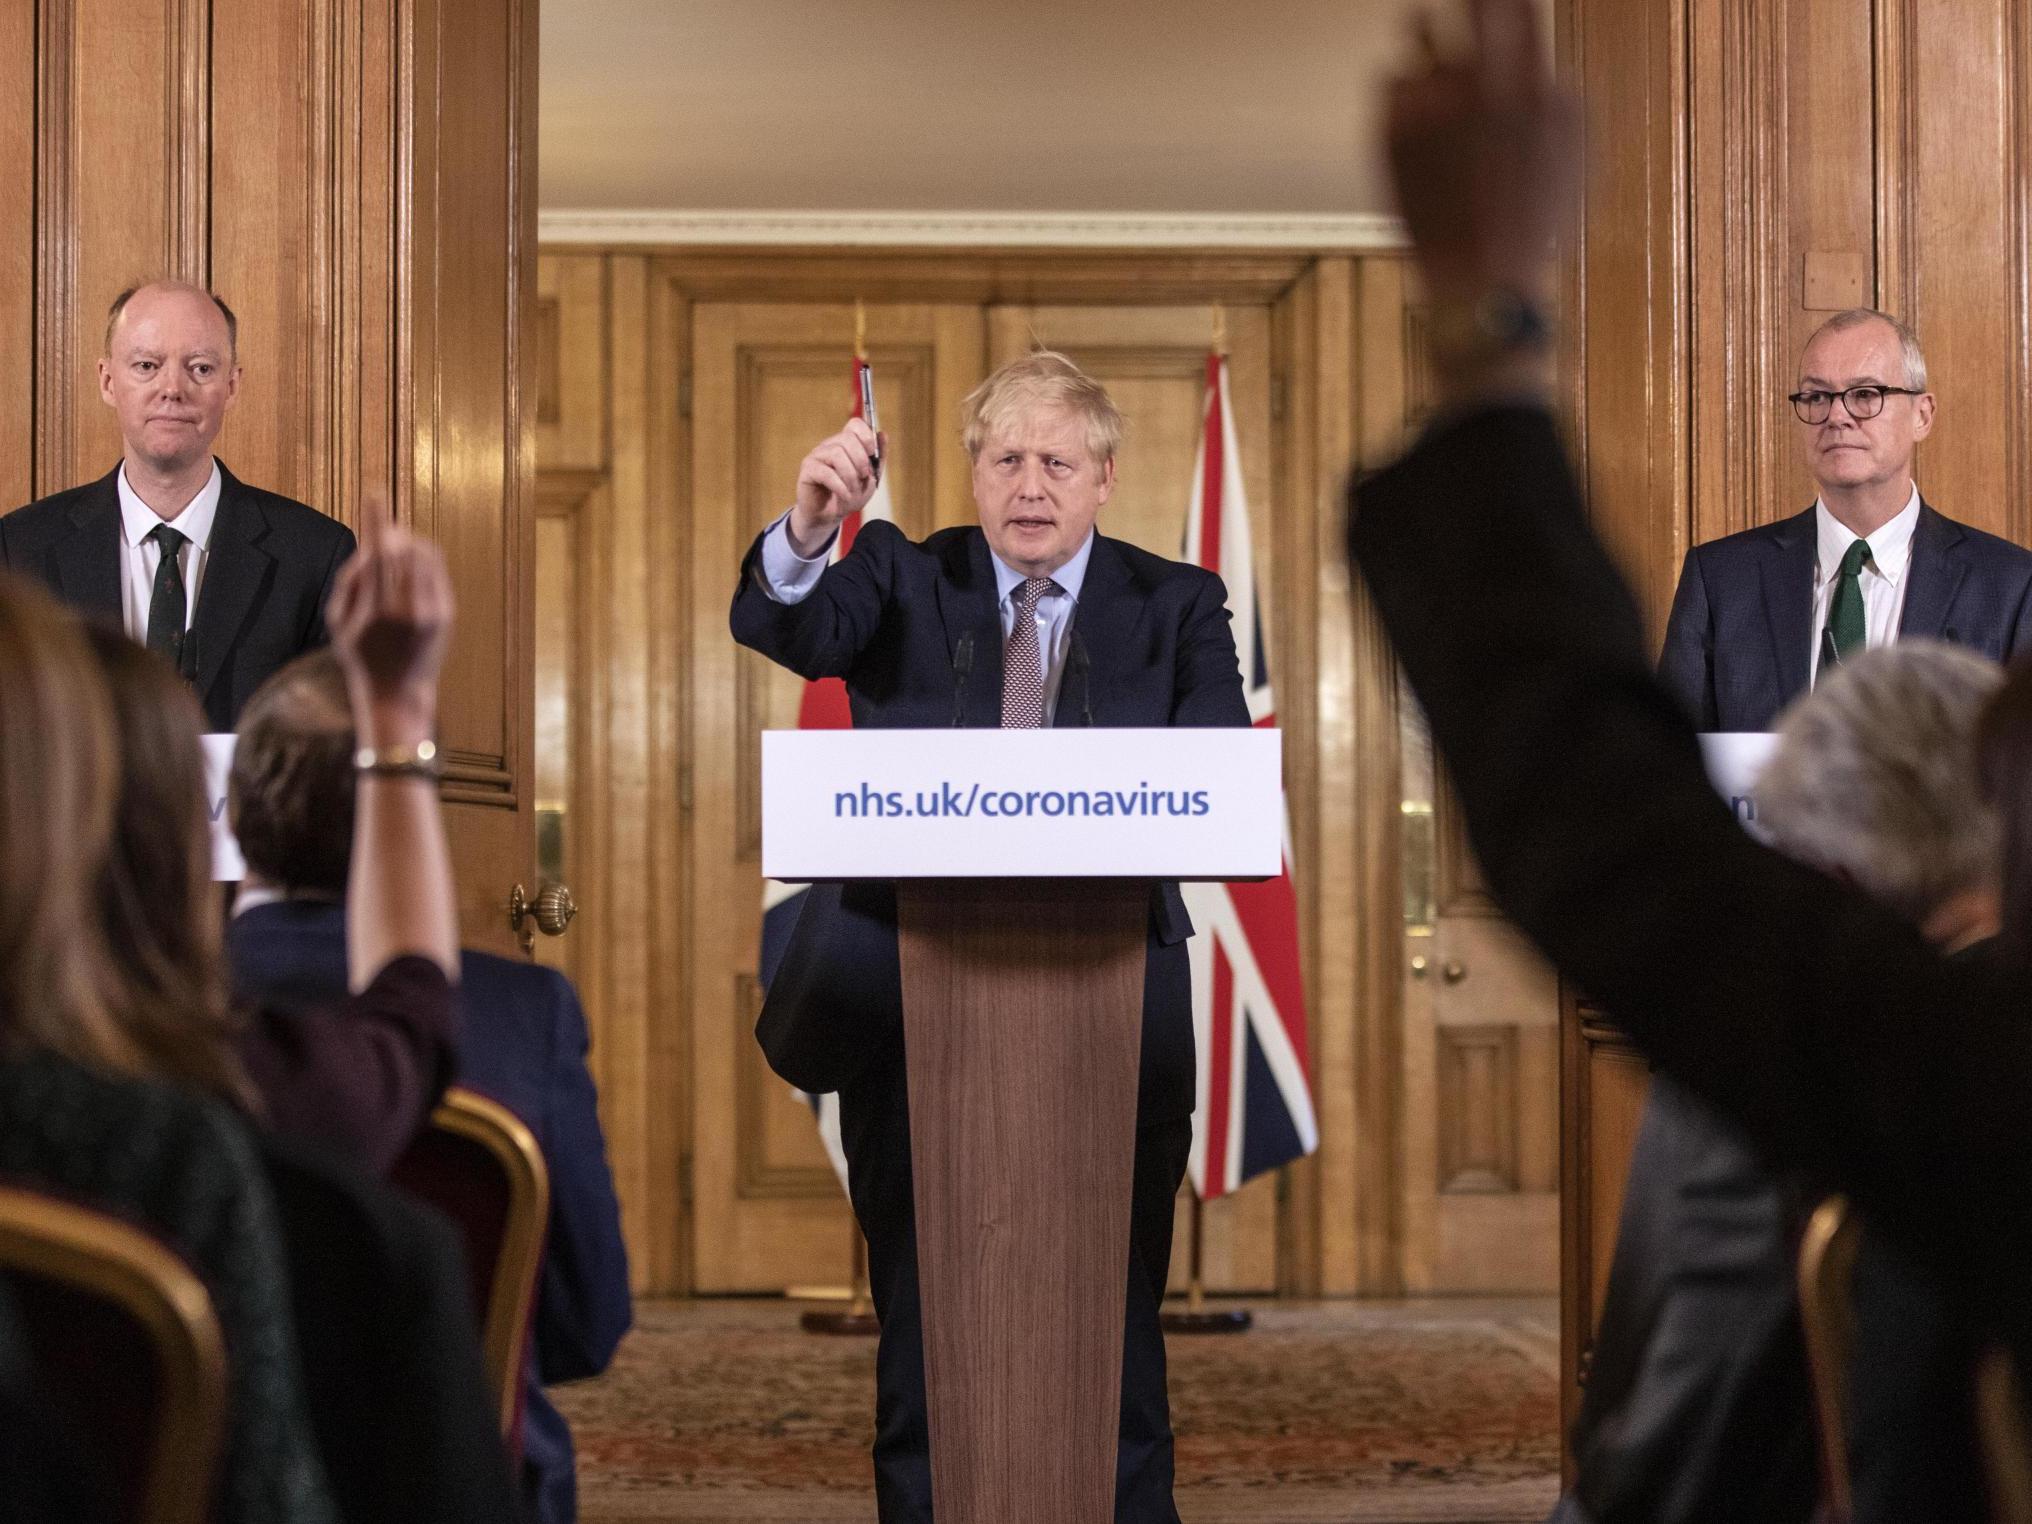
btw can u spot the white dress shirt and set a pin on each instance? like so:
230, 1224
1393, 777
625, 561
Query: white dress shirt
1883, 578
140, 556
789, 578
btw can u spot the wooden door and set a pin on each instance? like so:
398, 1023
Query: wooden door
1153, 362
1480, 1055
767, 382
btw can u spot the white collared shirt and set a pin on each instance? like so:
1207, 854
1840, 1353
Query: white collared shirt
789, 578
140, 556
1883, 578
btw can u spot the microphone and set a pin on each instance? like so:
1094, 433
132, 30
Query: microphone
962, 665
1077, 665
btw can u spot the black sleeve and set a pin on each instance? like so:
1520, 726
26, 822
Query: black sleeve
1806, 1012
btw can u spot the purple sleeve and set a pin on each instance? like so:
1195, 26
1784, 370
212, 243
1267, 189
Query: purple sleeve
361, 1075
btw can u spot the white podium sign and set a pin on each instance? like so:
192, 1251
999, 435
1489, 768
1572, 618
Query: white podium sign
227, 865
1734, 758
1055, 803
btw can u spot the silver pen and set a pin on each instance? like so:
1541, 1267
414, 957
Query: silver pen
868, 415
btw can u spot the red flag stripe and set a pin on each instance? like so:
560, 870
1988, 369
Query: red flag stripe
1220, 1071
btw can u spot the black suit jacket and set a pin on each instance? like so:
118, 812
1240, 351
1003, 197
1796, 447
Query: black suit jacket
268, 572
1798, 1008
1739, 643
892, 618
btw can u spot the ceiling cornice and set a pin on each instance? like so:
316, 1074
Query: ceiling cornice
1053, 230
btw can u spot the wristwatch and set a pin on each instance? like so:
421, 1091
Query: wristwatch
419, 761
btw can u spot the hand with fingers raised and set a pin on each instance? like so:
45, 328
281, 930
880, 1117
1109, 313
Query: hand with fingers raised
837, 478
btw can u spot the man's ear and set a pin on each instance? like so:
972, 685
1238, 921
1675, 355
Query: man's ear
1922, 415
105, 381
1107, 478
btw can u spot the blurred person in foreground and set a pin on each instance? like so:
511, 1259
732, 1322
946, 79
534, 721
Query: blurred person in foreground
524, 1040
1801, 1008
1698, 1403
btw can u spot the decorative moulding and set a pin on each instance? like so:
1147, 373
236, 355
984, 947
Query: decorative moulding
1056, 230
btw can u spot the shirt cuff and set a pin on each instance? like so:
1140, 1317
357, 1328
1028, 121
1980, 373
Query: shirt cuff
788, 577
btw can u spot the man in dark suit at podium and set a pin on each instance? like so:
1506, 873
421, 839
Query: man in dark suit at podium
223, 580
1701, 1314
1029, 619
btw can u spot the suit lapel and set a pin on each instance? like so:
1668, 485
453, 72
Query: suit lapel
87, 560
1933, 577
966, 607
1106, 616
1788, 604
235, 567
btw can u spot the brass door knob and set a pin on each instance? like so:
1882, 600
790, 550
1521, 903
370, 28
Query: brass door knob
550, 912
1453, 972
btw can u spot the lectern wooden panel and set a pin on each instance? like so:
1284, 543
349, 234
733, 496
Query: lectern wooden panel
1022, 1004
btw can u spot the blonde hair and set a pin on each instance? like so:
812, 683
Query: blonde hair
1044, 378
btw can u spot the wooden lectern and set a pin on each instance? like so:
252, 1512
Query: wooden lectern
1022, 1012
1023, 1024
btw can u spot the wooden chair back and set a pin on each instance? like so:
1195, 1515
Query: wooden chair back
479, 1164
123, 1338
1827, 1262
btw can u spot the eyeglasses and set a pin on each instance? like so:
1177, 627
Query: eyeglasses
1860, 401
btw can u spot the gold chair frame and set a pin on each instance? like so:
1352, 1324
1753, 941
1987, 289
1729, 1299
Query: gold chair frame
122, 1265
1827, 1263
504, 1321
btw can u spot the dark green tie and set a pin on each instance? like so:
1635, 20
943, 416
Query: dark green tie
1846, 631
167, 607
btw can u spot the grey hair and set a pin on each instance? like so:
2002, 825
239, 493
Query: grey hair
1874, 776
1908, 341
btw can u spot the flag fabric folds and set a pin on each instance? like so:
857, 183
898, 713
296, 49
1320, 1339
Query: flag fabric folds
1248, 994
822, 706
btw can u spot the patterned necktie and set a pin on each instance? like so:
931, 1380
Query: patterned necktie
1846, 630
1022, 670
167, 608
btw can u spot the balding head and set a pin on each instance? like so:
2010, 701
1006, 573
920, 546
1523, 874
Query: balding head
184, 288
169, 375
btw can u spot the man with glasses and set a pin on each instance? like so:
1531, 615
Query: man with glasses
1698, 1405
1760, 614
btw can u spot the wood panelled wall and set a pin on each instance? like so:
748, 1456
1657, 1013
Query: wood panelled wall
356, 178
1756, 165
675, 388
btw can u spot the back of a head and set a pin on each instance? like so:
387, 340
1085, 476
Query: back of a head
1874, 776
1043, 379
59, 764
160, 908
2004, 762
290, 792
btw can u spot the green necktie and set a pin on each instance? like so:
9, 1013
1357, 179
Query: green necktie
1846, 630
167, 607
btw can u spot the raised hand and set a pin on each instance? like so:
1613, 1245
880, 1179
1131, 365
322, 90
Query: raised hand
390, 616
1485, 152
835, 479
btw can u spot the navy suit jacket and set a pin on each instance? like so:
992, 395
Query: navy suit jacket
1739, 643
1154, 648
525, 1044
268, 572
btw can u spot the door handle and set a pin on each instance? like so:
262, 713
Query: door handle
550, 913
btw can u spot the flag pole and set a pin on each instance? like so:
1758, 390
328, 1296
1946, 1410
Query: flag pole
860, 329
1220, 330
859, 1316
1196, 1317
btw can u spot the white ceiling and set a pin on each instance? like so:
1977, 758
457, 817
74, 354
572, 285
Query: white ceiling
1138, 106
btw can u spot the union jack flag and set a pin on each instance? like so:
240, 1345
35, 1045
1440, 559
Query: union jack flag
822, 706
1248, 992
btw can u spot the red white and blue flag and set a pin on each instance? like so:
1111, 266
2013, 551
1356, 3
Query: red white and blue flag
1248, 991
822, 706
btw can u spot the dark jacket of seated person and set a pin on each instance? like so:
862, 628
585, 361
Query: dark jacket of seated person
525, 1045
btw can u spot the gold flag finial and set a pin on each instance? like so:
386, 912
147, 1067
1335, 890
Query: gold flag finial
1220, 330
860, 329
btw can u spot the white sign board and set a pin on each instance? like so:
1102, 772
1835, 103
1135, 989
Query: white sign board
227, 865
1070, 803
1734, 758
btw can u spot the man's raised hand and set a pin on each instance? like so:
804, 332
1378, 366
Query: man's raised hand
837, 478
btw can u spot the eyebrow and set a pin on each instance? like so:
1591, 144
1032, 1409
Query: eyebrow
1826, 385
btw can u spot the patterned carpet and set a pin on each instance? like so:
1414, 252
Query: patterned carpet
1430, 1412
